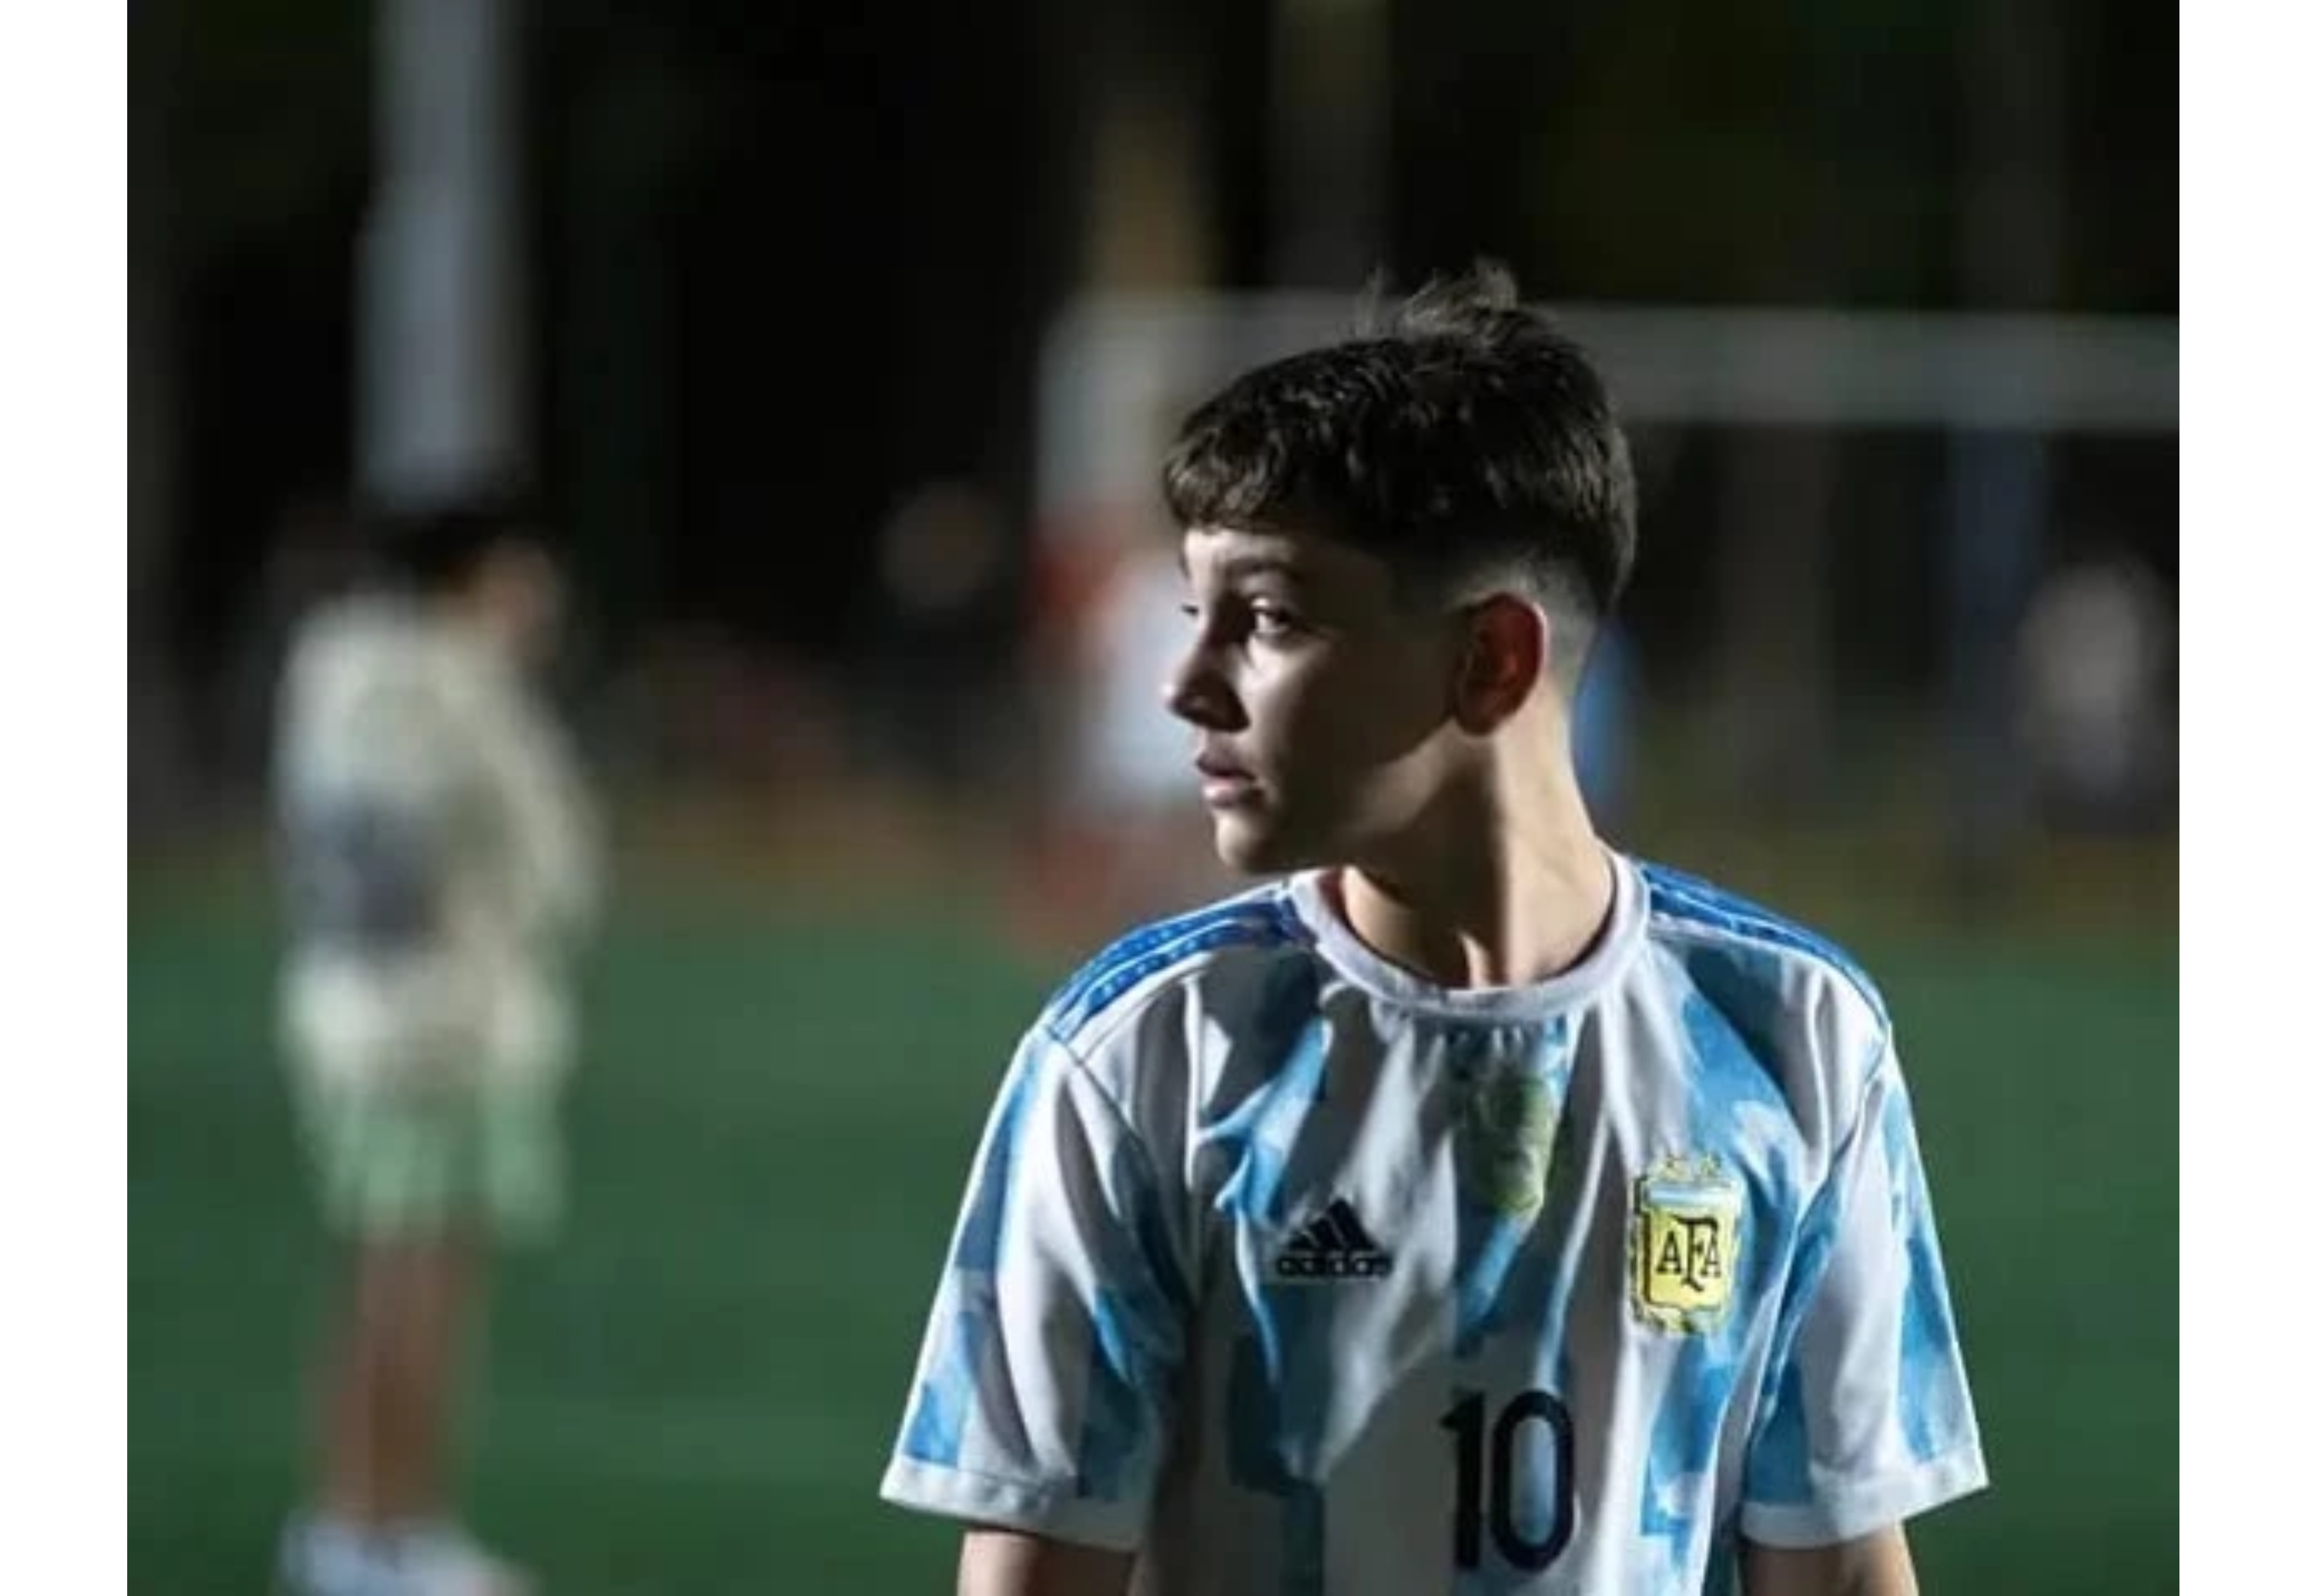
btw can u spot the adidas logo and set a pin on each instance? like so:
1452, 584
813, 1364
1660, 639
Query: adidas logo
1334, 1247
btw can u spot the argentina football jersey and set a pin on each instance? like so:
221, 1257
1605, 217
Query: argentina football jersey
1292, 1272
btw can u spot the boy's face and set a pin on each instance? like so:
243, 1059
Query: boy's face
519, 591
1322, 700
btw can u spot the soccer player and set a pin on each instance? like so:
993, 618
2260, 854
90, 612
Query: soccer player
1471, 1206
442, 854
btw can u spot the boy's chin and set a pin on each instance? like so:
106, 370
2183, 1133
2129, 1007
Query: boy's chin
1254, 846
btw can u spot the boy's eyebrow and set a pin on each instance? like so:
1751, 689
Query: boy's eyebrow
1251, 565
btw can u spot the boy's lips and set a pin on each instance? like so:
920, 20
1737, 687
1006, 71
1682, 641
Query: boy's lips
1225, 781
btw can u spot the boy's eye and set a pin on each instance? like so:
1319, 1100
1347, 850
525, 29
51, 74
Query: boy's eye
1275, 620
1248, 617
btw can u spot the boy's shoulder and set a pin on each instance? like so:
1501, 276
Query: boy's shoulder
1130, 973
1704, 924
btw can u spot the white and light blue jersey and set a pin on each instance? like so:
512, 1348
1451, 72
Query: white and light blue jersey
1295, 1272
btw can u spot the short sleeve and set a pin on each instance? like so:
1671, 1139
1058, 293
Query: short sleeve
1043, 1395
1867, 1413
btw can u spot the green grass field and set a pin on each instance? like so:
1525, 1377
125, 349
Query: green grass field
693, 1395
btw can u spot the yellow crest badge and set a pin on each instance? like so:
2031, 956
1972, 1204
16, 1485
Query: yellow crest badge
1688, 1217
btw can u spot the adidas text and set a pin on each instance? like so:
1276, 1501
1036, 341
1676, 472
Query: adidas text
1331, 1266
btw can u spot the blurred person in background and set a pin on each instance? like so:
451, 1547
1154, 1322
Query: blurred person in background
441, 857
2097, 654
939, 565
1475, 1206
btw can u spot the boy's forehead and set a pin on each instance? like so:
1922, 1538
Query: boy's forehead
1228, 550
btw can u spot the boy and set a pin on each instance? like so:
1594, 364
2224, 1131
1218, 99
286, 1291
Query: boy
1474, 1207
440, 856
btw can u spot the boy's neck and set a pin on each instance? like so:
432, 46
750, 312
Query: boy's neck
1506, 897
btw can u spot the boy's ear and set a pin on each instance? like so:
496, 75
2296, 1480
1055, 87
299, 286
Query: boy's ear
1507, 639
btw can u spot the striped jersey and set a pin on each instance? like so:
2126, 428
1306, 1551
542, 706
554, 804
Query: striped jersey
1292, 1272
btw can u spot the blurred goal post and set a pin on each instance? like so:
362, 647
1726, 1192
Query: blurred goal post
1117, 370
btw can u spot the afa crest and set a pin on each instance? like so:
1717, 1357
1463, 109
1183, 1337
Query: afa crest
1688, 1213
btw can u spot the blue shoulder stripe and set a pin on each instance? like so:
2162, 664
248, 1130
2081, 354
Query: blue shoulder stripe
1265, 920
1686, 897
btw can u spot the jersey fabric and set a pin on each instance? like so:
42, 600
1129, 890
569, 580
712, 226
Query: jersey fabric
1296, 1273
441, 853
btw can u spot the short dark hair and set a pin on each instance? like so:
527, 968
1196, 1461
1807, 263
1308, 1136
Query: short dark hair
1457, 435
437, 548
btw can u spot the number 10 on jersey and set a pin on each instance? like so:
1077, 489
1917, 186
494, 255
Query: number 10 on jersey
1490, 1457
